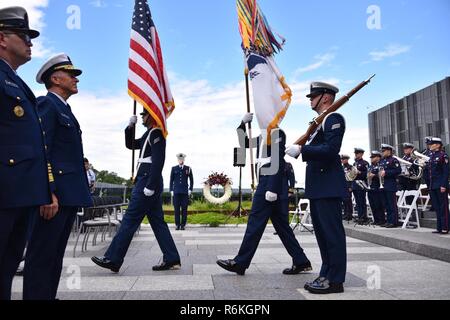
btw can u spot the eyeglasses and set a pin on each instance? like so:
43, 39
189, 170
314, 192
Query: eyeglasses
24, 36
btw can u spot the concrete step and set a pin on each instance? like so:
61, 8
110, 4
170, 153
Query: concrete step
428, 223
417, 241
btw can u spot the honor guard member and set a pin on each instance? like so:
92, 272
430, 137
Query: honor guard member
48, 240
390, 169
269, 201
146, 200
405, 182
26, 178
347, 200
289, 169
375, 194
358, 190
438, 168
181, 190
325, 188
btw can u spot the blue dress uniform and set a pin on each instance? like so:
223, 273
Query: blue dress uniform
149, 175
392, 168
347, 199
325, 188
375, 194
438, 168
358, 191
277, 211
179, 177
26, 179
48, 241
24, 171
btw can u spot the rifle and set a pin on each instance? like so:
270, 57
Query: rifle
316, 122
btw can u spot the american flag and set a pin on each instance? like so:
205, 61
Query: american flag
147, 79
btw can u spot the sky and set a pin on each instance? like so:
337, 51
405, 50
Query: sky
405, 43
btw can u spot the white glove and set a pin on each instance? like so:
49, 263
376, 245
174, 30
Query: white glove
189, 193
171, 193
148, 192
271, 197
248, 117
133, 121
294, 151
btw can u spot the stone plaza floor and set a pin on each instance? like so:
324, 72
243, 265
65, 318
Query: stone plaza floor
374, 272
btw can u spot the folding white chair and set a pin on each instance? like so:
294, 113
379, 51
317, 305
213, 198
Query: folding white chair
301, 217
423, 198
405, 210
400, 197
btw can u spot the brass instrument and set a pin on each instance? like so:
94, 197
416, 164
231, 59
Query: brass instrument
381, 178
351, 174
410, 170
420, 159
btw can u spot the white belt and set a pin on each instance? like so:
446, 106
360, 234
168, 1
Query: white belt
145, 160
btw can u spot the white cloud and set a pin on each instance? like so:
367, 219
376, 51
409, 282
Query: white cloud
390, 51
99, 3
320, 60
36, 15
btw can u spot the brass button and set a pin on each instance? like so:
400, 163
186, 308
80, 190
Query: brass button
11, 161
43, 132
40, 120
18, 98
46, 147
60, 172
321, 170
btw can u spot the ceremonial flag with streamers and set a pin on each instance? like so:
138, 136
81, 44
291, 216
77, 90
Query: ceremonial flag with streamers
271, 95
147, 79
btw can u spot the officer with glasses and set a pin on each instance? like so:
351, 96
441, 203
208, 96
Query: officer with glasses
26, 184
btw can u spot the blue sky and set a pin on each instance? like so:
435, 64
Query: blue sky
326, 40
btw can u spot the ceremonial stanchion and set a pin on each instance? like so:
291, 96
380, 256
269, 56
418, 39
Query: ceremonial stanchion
238, 161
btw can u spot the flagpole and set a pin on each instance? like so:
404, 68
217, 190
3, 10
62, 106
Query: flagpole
132, 143
250, 144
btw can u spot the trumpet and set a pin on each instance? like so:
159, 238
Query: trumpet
381, 178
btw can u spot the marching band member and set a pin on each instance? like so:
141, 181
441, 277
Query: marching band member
375, 194
438, 168
390, 169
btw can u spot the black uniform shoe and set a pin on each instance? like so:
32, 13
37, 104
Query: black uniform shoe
298, 268
437, 232
178, 228
182, 228
317, 280
105, 263
325, 287
390, 225
232, 266
167, 266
